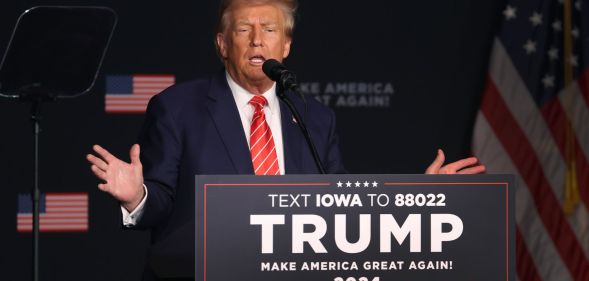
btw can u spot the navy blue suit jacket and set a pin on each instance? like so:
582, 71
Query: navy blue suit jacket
195, 128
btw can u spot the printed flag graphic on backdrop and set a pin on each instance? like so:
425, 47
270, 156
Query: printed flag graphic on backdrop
59, 212
131, 93
534, 122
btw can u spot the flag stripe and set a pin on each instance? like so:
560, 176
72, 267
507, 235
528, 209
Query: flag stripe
60, 221
124, 96
532, 122
134, 92
537, 91
52, 227
523, 109
59, 215
66, 203
557, 121
521, 152
126, 107
543, 252
56, 228
126, 102
154, 78
55, 225
66, 210
153, 85
125, 110
65, 197
60, 212
146, 92
578, 112
526, 269
129, 97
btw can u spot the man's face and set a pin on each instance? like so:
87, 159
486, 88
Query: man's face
254, 34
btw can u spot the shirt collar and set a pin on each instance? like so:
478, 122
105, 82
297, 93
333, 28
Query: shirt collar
242, 96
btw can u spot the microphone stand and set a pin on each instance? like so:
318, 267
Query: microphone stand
280, 92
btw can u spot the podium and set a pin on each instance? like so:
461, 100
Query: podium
355, 227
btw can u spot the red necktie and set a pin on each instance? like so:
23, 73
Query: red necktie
261, 141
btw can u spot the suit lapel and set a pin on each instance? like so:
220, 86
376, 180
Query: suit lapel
223, 110
292, 140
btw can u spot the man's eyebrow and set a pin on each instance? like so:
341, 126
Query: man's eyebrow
243, 22
262, 22
268, 21
265, 24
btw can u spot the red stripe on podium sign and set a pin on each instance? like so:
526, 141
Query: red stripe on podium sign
59, 212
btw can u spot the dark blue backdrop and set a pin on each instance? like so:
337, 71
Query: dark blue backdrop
433, 54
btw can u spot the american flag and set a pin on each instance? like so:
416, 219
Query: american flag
59, 212
131, 93
534, 122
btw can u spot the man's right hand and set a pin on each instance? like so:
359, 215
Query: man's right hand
122, 180
466, 166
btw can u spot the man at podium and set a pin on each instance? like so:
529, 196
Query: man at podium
229, 123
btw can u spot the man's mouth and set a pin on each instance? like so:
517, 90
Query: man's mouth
257, 59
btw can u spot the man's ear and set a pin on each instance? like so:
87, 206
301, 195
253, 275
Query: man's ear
286, 48
222, 45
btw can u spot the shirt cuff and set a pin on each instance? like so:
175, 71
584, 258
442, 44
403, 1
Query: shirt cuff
131, 219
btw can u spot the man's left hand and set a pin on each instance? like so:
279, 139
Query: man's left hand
465, 166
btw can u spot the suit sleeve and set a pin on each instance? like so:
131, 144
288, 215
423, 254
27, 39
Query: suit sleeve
160, 156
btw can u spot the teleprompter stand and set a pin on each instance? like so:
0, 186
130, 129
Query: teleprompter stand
54, 53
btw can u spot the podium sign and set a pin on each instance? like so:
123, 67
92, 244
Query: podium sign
355, 228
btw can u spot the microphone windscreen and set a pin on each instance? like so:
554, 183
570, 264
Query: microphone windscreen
273, 69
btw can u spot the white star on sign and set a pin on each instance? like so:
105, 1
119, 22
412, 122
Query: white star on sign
575, 32
557, 26
530, 46
374, 184
509, 12
348, 184
340, 184
536, 19
574, 60
548, 81
366, 184
553, 53
357, 184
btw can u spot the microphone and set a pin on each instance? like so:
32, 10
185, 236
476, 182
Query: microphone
285, 81
278, 72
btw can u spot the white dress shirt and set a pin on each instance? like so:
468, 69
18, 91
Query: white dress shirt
271, 110
246, 114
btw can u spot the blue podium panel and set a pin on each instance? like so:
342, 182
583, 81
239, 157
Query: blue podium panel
355, 227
